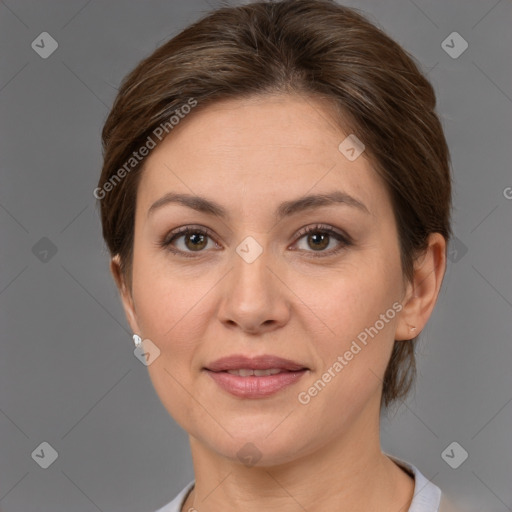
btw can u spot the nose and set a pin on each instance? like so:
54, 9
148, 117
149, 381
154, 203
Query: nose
255, 297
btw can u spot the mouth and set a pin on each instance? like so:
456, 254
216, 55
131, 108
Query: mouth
256, 377
260, 366
248, 372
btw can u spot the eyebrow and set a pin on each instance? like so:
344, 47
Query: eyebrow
287, 208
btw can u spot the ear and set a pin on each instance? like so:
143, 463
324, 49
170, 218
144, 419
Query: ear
126, 297
421, 294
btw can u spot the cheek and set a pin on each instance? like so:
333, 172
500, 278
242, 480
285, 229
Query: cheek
354, 315
168, 309
166, 302
352, 354
348, 302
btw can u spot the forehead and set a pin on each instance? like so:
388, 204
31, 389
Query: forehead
262, 148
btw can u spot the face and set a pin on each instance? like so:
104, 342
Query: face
316, 283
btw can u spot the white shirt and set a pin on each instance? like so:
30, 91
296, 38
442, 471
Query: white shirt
427, 496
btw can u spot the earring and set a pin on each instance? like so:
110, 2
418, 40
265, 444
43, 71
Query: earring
413, 329
137, 340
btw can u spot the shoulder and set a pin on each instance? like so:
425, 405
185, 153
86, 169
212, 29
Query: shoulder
176, 504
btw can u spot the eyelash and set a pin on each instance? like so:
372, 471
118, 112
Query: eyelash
345, 241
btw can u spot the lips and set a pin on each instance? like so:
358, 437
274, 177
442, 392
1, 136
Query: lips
244, 365
255, 377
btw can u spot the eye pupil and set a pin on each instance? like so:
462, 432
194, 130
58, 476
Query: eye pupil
325, 238
194, 238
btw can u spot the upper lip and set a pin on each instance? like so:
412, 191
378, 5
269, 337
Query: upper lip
264, 362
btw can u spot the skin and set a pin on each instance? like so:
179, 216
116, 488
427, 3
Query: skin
250, 155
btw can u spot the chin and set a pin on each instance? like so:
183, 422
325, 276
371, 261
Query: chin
256, 447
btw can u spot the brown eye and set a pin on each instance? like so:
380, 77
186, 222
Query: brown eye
319, 237
318, 241
195, 241
187, 240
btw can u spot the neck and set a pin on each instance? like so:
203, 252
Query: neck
347, 473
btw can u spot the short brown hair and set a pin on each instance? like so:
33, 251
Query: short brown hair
316, 48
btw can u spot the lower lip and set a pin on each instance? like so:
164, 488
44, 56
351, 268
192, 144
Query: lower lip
252, 386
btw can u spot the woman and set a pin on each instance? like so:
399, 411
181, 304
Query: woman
276, 200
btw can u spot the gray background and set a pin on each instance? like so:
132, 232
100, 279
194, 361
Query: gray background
68, 375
